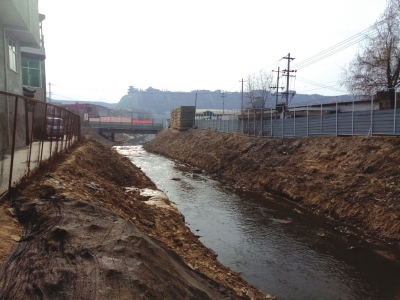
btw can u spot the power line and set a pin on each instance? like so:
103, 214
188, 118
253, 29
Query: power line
321, 85
342, 45
302, 91
334, 49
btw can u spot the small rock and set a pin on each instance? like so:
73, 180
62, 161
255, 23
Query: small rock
250, 294
15, 237
147, 223
12, 212
369, 170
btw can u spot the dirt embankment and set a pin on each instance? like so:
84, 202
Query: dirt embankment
354, 180
86, 237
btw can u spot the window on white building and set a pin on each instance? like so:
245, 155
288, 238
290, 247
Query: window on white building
12, 55
31, 72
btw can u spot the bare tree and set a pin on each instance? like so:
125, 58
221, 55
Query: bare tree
258, 91
376, 67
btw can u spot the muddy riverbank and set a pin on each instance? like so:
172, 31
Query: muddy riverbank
83, 228
351, 180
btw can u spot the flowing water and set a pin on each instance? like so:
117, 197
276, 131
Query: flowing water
276, 246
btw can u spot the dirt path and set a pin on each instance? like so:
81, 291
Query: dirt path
66, 246
352, 180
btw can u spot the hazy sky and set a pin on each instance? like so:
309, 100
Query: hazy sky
96, 49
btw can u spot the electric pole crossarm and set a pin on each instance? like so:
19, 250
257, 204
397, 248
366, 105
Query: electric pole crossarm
287, 74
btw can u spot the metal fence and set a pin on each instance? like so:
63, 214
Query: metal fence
332, 119
31, 131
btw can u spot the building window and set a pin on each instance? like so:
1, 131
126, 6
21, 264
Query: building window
31, 72
12, 55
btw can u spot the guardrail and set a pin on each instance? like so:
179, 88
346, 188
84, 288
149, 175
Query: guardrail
325, 120
31, 131
123, 125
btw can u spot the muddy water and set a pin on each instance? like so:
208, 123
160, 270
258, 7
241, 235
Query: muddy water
275, 245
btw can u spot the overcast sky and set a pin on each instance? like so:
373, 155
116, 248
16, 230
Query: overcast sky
96, 49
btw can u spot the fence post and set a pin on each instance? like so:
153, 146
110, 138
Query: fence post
237, 123
294, 120
58, 132
395, 107
248, 122
31, 136
242, 121
44, 132
352, 119
13, 142
372, 106
254, 115
53, 114
307, 119
271, 123
336, 117
321, 121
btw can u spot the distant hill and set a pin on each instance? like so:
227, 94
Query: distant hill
159, 101
162, 102
59, 102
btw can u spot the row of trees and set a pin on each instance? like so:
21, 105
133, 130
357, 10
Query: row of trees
376, 66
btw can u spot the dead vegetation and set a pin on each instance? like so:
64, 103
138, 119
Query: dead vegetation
93, 177
353, 180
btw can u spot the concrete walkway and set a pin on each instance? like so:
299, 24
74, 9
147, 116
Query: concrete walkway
22, 164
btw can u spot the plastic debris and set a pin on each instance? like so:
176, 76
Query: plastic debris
93, 187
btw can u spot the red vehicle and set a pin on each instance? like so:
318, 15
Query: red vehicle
142, 122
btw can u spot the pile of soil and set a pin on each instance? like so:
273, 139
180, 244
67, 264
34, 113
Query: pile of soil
74, 249
89, 237
353, 180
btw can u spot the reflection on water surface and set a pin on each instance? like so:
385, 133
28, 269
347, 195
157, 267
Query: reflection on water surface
278, 247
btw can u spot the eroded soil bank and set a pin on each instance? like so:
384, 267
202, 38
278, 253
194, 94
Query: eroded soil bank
353, 180
86, 236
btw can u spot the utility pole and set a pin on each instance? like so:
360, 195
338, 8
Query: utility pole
49, 92
242, 91
276, 87
223, 100
287, 74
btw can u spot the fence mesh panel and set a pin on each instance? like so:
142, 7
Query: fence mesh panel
31, 131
